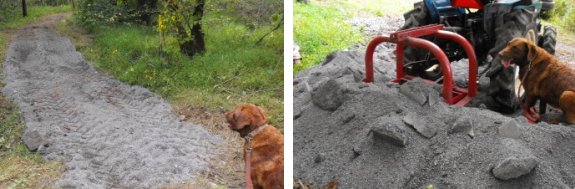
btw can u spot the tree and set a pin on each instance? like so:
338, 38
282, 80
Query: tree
24, 9
185, 17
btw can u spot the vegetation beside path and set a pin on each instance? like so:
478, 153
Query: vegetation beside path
20, 168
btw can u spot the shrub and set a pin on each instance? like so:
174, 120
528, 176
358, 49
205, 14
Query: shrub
93, 12
563, 14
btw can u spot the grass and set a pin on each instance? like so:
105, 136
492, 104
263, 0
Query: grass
20, 168
34, 13
320, 30
369, 8
320, 27
233, 70
563, 14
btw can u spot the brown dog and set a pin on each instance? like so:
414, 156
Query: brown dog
264, 147
543, 78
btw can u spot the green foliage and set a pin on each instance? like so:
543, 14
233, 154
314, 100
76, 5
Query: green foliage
11, 126
253, 13
178, 17
320, 30
94, 12
563, 14
232, 67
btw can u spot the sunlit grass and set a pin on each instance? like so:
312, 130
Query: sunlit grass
320, 30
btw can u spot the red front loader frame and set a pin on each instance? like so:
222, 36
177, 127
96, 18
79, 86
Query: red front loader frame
451, 93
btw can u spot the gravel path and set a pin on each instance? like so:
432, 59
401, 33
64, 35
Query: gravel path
109, 134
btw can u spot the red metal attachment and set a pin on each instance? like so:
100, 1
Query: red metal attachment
451, 93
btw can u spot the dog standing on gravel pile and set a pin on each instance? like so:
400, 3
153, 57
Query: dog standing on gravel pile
543, 78
263, 147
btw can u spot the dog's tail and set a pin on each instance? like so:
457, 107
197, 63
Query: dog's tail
567, 104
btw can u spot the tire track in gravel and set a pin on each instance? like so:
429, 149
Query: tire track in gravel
109, 134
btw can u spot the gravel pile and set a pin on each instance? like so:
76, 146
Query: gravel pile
381, 134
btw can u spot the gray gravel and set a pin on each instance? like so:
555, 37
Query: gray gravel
108, 134
365, 140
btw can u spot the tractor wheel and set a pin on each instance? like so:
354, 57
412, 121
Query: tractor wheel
504, 84
418, 16
548, 40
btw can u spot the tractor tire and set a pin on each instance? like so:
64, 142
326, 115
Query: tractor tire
504, 82
549, 39
418, 16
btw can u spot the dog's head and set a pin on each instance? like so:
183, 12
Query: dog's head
246, 116
518, 51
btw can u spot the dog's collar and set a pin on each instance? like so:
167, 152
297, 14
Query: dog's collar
252, 134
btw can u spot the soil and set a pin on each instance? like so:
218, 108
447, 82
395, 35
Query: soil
108, 134
402, 136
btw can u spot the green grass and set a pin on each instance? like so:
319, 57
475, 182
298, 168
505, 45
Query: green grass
563, 14
233, 70
320, 27
320, 30
368, 8
34, 13
20, 168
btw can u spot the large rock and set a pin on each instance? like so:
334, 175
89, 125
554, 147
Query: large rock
463, 124
514, 167
389, 132
510, 129
420, 124
420, 92
416, 95
329, 95
33, 140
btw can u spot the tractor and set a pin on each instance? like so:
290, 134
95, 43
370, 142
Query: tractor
487, 25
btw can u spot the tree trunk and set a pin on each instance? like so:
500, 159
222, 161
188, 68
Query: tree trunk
197, 44
24, 9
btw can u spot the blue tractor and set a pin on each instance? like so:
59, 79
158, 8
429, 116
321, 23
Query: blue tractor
488, 25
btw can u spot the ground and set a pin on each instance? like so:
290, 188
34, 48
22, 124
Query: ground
383, 134
133, 130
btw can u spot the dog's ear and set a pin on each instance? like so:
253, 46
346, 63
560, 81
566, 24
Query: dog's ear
230, 116
259, 116
531, 51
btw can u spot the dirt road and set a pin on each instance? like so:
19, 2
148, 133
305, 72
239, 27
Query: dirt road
109, 134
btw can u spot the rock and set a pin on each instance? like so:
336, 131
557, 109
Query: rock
433, 98
419, 124
510, 129
462, 125
389, 132
513, 167
319, 158
33, 140
418, 96
346, 118
297, 113
328, 95
364, 143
